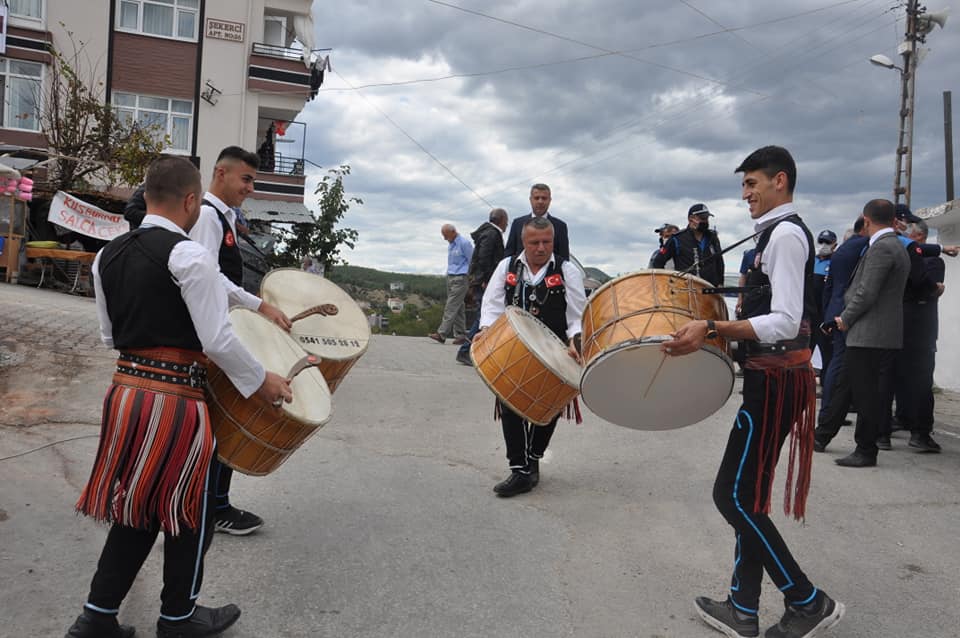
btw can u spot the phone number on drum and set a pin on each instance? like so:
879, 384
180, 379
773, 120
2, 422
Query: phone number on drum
330, 341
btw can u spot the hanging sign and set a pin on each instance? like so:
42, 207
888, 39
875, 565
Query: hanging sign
80, 217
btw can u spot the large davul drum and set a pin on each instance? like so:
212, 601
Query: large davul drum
326, 321
526, 366
627, 380
253, 436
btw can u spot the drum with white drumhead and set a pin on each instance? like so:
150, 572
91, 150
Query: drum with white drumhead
253, 436
327, 322
627, 379
526, 365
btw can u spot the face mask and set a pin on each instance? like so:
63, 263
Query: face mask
825, 250
703, 226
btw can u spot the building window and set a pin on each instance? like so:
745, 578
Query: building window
168, 18
171, 117
20, 84
27, 9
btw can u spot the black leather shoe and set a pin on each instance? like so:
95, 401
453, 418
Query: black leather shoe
819, 446
726, 618
93, 625
923, 443
883, 443
534, 467
205, 621
516, 483
464, 358
857, 459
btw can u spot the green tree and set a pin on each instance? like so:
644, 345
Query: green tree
321, 238
93, 145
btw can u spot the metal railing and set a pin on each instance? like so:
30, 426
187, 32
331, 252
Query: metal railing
274, 154
275, 51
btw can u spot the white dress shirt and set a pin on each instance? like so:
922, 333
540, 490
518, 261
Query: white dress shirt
208, 232
195, 271
880, 233
784, 261
494, 297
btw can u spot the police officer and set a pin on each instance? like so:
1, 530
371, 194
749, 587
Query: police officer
665, 231
695, 249
826, 245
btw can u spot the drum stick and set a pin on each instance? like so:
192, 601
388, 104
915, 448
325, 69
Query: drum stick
655, 375
327, 310
722, 252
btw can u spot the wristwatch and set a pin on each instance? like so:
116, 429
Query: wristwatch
712, 329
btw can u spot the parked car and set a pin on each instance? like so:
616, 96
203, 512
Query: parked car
255, 250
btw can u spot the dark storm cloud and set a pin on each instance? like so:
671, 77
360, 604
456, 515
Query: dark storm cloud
626, 142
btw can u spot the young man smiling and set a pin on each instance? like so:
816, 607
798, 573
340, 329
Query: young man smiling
778, 399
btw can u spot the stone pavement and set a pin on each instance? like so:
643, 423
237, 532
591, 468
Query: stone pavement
384, 524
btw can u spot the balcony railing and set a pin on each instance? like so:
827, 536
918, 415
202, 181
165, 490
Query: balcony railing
281, 154
275, 51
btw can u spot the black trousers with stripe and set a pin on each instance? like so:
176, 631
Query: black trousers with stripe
759, 545
525, 441
127, 548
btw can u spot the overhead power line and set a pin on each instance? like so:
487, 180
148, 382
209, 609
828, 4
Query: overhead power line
596, 56
419, 145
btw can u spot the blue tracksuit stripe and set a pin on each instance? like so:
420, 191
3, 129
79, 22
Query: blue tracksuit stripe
736, 498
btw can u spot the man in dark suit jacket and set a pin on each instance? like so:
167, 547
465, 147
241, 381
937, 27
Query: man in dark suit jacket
916, 362
873, 321
836, 395
539, 204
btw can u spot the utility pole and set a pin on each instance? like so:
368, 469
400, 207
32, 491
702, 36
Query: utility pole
948, 141
908, 48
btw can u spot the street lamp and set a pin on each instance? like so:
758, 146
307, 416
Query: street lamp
882, 60
919, 24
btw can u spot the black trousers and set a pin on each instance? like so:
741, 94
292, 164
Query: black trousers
525, 441
817, 338
836, 397
127, 548
914, 388
222, 474
871, 375
759, 545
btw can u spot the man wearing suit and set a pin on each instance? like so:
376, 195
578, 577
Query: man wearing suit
916, 362
873, 321
835, 402
539, 205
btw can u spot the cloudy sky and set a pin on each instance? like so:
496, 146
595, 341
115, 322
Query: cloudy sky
630, 110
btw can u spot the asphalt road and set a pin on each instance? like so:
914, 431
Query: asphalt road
384, 523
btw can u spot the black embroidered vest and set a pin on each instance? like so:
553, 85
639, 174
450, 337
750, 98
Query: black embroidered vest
547, 301
756, 301
142, 298
229, 257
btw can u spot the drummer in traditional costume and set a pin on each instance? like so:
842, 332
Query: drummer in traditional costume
550, 288
778, 399
160, 302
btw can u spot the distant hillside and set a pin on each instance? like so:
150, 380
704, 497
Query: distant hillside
430, 288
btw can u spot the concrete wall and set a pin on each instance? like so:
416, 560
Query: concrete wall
90, 23
224, 64
234, 119
948, 346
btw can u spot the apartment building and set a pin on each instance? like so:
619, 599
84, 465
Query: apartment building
208, 73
